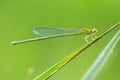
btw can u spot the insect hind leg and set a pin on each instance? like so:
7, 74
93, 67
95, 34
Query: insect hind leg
86, 38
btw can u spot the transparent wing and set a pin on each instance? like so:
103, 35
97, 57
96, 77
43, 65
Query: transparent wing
50, 32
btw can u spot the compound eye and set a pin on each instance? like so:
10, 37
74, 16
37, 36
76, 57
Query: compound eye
94, 30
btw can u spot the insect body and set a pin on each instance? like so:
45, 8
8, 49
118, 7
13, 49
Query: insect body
46, 33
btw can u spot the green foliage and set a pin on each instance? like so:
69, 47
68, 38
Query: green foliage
102, 58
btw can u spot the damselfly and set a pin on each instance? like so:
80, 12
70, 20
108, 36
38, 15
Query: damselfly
46, 33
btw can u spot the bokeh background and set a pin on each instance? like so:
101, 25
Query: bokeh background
19, 17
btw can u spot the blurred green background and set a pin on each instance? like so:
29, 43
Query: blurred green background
19, 17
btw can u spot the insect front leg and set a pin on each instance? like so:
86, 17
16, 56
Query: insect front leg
93, 36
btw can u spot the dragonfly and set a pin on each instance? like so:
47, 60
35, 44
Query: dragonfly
47, 32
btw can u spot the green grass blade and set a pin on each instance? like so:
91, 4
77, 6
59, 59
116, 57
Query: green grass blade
52, 70
102, 58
